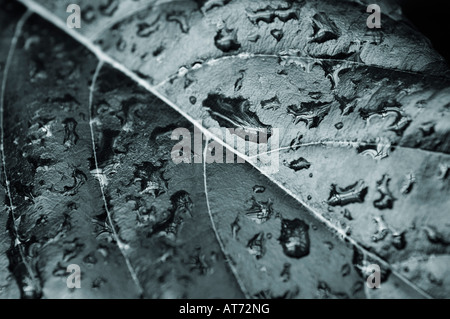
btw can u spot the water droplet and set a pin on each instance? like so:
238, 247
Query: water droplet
434, 236
298, 164
258, 189
286, 272
238, 83
226, 40
235, 227
294, 238
345, 270
354, 193
121, 45
88, 14
151, 178
90, 259
109, 8
256, 245
346, 213
361, 262
198, 262
260, 211
408, 183
98, 282
277, 34
311, 113
382, 229
146, 29
72, 249
399, 241
339, 125
386, 200
271, 104
179, 18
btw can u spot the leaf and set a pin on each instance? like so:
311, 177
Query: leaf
363, 118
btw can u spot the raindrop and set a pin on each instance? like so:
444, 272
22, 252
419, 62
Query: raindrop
258, 189
339, 125
256, 245
121, 45
345, 270
277, 34
235, 227
294, 238
286, 272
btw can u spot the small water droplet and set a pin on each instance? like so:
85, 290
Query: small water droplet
121, 45
298, 164
235, 227
277, 34
256, 245
329, 245
339, 125
258, 189
345, 270
260, 211
286, 272
354, 193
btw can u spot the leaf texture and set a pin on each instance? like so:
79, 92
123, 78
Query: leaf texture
364, 151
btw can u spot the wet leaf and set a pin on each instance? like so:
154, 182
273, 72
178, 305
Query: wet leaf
364, 144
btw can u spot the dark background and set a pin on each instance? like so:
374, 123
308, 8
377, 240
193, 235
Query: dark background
431, 18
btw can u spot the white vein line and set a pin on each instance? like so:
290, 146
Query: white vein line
12, 49
105, 203
52, 18
219, 240
347, 144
